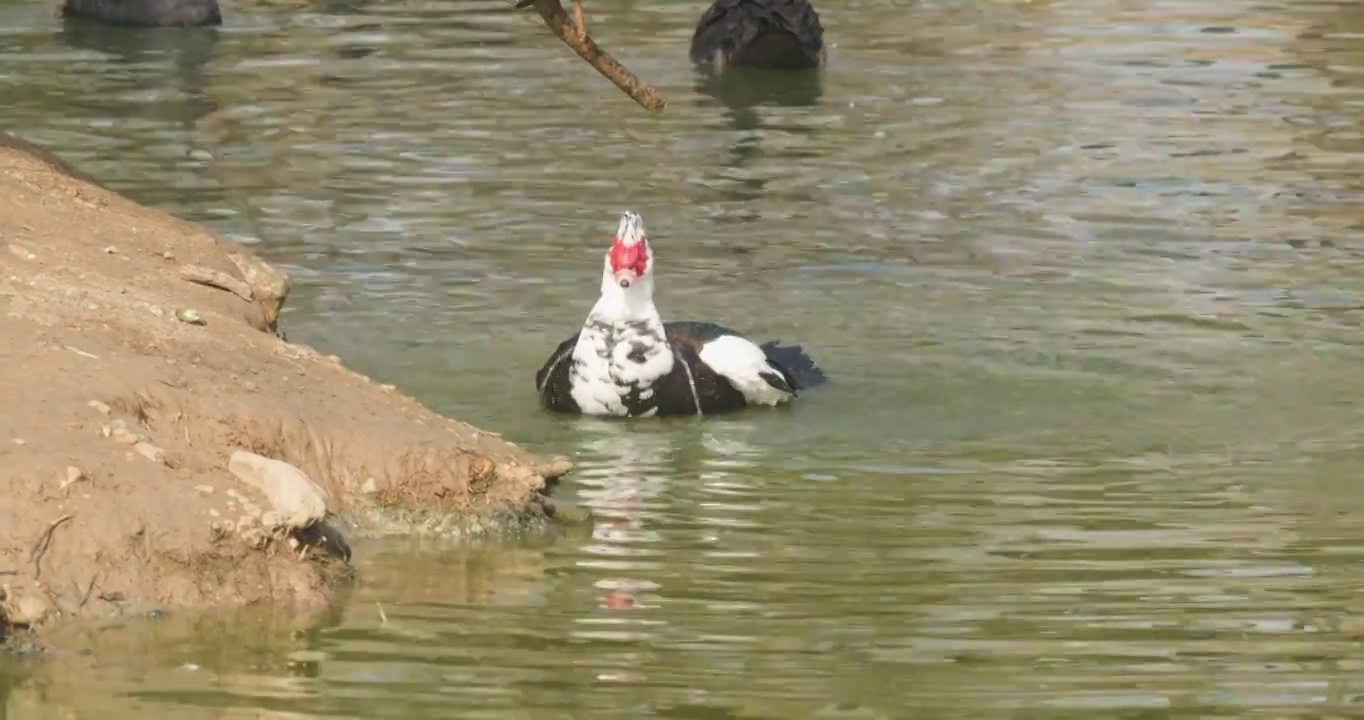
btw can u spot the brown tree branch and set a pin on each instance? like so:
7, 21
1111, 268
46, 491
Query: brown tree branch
573, 32
578, 20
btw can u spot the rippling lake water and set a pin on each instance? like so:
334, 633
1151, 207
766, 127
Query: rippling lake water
1085, 273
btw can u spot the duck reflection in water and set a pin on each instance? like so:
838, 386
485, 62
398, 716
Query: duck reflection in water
181, 90
630, 474
742, 92
622, 471
625, 472
754, 53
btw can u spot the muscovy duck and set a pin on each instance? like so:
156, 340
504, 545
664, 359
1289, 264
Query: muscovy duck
783, 34
625, 361
145, 13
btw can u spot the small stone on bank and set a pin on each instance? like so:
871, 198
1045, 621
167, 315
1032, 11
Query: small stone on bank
189, 315
111, 250
22, 253
123, 437
101, 407
73, 476
151, 452
204, 489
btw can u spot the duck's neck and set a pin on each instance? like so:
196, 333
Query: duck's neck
632, 304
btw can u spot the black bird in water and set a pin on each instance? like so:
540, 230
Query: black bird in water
782, 34
145, 13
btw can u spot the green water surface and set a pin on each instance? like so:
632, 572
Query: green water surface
1086, 275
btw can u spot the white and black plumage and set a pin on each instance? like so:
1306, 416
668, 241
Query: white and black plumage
782, 34
625, 361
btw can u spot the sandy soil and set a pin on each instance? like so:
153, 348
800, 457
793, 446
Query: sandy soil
120, 411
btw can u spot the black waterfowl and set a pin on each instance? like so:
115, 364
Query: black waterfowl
783, 34
144, 13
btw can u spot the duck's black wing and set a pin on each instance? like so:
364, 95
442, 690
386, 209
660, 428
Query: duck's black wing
552, 380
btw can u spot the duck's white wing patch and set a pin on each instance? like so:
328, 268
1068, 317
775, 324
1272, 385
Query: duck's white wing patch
745, 366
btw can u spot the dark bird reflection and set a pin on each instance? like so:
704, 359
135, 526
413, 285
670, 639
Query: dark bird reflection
188, 50
740, 88
743, 92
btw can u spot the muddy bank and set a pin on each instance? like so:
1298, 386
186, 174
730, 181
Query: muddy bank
138, 354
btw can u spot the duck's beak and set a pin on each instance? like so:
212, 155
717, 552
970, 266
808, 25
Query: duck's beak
626, 277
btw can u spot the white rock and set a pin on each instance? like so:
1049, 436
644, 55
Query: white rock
298, 500
22, 252
151, 452
73, 475
27, 610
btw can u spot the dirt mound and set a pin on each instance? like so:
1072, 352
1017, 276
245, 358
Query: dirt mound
129, 380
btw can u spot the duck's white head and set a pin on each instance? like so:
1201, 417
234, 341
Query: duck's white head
627, 283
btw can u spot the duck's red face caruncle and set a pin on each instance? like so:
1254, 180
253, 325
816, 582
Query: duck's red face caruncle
629, 262
629, 256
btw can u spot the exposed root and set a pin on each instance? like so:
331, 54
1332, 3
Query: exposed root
40, 548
